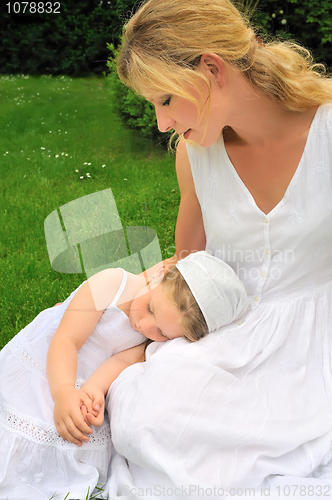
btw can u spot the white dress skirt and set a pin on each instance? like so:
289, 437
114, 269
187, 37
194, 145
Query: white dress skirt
251, 404
35, 462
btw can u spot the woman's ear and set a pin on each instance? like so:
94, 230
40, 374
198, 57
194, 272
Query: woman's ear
213, 67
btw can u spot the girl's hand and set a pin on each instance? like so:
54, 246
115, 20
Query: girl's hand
93, 413
68, 417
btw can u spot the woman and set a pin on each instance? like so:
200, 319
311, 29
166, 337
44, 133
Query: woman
250, 405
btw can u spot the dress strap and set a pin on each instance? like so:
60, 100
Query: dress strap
121, 287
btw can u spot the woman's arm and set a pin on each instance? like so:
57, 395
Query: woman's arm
96, 387
77, 324
189, 232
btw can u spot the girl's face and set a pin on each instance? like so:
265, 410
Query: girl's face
154, 315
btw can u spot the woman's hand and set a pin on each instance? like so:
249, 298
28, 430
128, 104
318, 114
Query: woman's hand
68, 416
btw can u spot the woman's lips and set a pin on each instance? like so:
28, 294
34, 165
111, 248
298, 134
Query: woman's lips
186, 134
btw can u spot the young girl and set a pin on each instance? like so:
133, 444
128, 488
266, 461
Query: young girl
254, 168
43, 407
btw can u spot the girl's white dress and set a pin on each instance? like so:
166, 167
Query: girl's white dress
35, 462
250, 404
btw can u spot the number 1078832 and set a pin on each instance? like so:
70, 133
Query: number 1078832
33, 7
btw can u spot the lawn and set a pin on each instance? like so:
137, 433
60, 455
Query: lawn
60, 141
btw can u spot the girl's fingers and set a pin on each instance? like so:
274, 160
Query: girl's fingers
78, 433
65, 434
95, 420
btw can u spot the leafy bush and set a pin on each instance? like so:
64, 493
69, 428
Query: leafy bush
309, 22
134, 111
73, 42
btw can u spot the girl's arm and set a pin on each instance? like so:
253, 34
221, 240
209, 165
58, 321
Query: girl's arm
189, 232
96, 387
77, 324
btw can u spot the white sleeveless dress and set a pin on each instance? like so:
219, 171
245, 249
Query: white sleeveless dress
250, 404
35, 462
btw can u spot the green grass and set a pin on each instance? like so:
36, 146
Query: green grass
55, 130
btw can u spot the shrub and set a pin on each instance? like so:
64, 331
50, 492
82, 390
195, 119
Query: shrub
73, 42
134, 111
308, 22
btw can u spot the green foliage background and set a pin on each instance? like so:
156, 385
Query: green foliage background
75, 42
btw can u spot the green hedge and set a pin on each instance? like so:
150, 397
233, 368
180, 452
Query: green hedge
73, 42
134, 111
308, 22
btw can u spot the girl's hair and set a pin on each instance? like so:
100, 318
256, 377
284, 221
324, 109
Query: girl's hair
192, 321
163, 43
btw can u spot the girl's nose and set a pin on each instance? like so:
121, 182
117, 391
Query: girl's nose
165, 122
147, 325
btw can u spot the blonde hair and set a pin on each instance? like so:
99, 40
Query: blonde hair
163, 43
192, 321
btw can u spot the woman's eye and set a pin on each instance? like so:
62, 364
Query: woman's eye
167, 101
149, 309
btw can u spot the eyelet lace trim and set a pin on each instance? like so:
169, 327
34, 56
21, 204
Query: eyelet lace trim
26, 357
46, 434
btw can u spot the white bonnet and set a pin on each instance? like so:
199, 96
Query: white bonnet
216, 288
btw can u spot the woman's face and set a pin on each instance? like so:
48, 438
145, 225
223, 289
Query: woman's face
181, 115
154, 315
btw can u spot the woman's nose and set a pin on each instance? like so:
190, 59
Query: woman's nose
165, 122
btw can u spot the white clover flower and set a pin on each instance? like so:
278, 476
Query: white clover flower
88, 175
283, 21
273, 15
89, 163
103, 166
42, 148
82, 177
56, 156
281, 11
76, 170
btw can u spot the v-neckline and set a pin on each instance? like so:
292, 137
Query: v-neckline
291, 182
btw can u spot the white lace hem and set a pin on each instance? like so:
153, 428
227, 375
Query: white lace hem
45, 434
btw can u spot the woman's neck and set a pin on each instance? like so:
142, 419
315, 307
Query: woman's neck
257, 120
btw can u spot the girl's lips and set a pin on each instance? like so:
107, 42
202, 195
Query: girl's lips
186, 134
